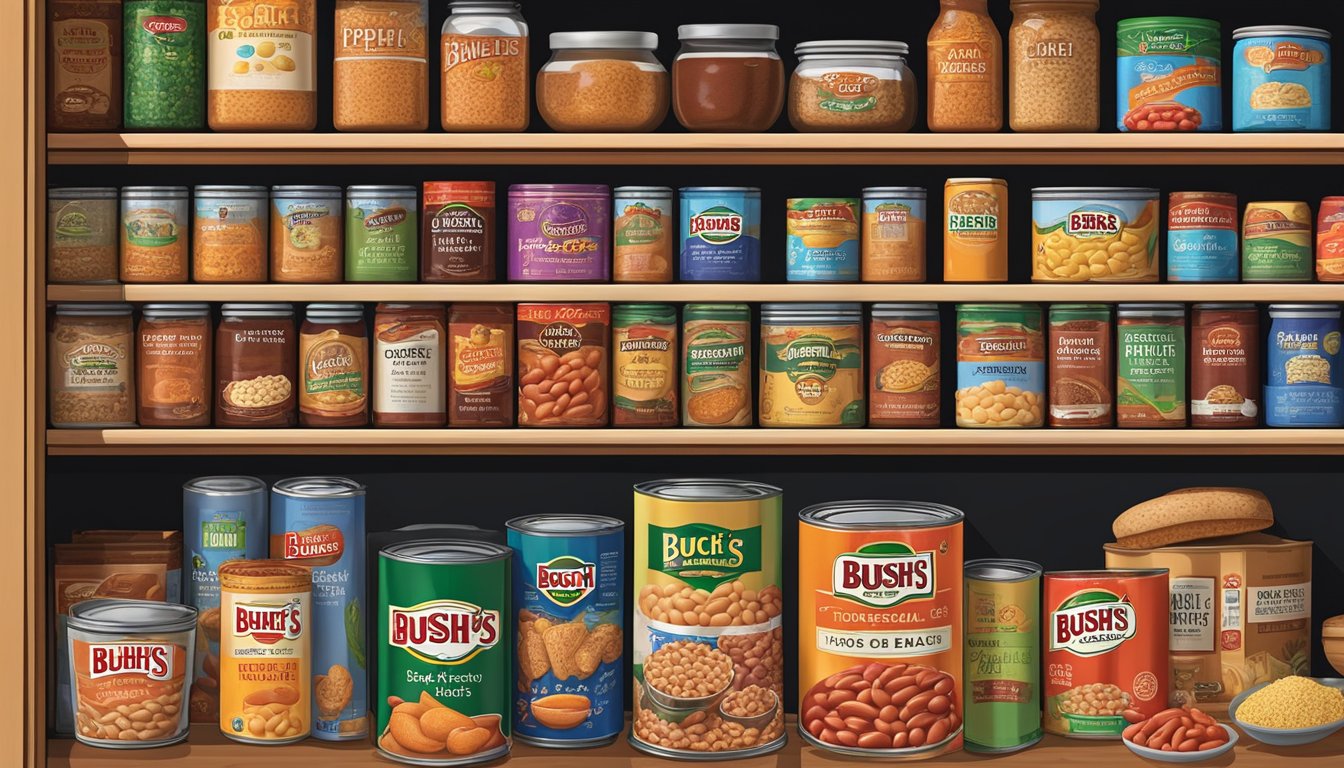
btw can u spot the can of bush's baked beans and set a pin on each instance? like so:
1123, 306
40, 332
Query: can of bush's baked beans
880, 624
1105, 651
1002, 655
708, 676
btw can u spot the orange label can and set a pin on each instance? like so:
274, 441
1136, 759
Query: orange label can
265, 651
975, 231
1105, 650
880, 628
1330, 241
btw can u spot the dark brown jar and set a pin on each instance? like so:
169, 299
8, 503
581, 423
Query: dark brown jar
256, 356
84, 65
1224, 365
728, 77
480, 365
458, 242
173, 359
334, 366
408, 365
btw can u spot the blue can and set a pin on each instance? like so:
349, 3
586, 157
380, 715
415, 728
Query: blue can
721, 234
569, 592
318, 522
1281, 79
1202, 229
822, 235
1306, 385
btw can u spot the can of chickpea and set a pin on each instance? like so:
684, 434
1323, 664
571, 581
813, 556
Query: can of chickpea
1000, 366
1106, 650
562, 364
880, 628
1002, 655
265, 650
708, 673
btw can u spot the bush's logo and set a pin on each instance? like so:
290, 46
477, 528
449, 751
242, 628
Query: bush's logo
268, 623
164, 25
1099, 222
154, 661
718, 225
566, 580
1092, 623
324, 542
443, 631
704, 556
883, 574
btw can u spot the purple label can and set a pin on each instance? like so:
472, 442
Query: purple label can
560, 232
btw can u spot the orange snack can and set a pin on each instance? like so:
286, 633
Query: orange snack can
1330, 241
975, 231
1105, 650
880, 626
265, 651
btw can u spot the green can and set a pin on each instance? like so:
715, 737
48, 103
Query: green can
445, 674
381, 234
1150, 345
164, 74
716, 365
1002, 655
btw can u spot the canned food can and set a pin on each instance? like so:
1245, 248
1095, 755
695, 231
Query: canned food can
318, 523
1150, 345
1276, 243
559, 233
1169, 74
880, 610
1330, 240
265, 654
812, 365
904, 380
1000, 366
708, 625
563, 343
893, 246
1305, 385
822, 239
223, 518
1202, 244
130, 665
1106, 650
720, 234
1002, 692
1094, 234
644, 365
716, 365
381, 234
975, 231
458, 237
1225, 365
569, 599
444, 661
1281, 79
1081, 356
641, 248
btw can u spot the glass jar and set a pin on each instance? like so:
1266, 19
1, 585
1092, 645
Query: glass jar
82, 235
852, 85
262, 65
334, 366
229, 235
255, 361
727, 77
603, 81
91, 361
154, 223
484, 73
379, 42
84, 65
1054, 66
409, 373
307, 234
965, 69
173, 365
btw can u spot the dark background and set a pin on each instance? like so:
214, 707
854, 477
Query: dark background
1056, 510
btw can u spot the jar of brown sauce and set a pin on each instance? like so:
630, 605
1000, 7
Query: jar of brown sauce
480, 367
256, 356
408, 365
334, 366
174, 365
727, 77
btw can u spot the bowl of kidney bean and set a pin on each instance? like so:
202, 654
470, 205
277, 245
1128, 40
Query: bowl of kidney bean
1179, 735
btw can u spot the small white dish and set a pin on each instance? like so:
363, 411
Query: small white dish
1185, 757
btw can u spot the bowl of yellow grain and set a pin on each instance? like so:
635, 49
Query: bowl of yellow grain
1291, 711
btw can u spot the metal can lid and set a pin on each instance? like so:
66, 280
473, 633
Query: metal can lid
257, 310
605, 40
289, 191
728, 31
707, 489
1277, 30
749, 191
918, 193
1154, 309
225, 485
120, 617
446, 551
716, 312
85, 193
1146, 22
381, 190
649, 313
872, 514
956, 182
1096, 193
1081, 311
230, 190
524, 190
565, 525
1225, 305
835, 310
154, 311
851, 48
318, 487
1001, 569
94, 310
152, 192
905, 311
659, 192
1304, 310
324, 311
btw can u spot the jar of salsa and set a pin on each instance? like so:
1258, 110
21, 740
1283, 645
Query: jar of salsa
255, 359
727, 77
334, 366
174, 365
408, 365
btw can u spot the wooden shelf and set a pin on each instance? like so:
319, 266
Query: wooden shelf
208, 749
695, 148
771, 442
709, 292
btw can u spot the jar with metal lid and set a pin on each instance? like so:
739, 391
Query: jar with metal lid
173, 365
334, 366
91, 366
641, 246
154, 223
894, 244
1150, 344
484, 72
904, 380
1054, 66
307, 235
1225, 365
965, 69
256, 356
1305, 383
380, 73
716, 365
812, 365
229, 234
409, 365
382, 234
727, 77
603, 81
82, 235
852, 85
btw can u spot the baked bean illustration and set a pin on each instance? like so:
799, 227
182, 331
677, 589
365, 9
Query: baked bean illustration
997, 403
1093, 699
1163, 116
751, 701
687, 669
147, 720
730, 604
568, 389
758, 658
882, 706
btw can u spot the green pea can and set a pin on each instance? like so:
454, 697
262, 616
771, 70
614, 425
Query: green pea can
444, 657
164, 74
1002, 657
381, 233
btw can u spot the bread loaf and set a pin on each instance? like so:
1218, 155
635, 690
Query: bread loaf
1191, 514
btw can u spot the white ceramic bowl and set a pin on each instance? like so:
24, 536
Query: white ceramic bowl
1286, 737
1185, 757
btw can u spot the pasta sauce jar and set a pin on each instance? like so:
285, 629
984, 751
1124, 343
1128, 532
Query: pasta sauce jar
727, 77
174, 365
408, 365
334, 366
256, 355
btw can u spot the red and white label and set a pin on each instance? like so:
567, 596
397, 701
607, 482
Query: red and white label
443, 631
152, 660
268, 623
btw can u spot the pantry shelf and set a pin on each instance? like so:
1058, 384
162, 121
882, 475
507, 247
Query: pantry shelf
208, 749
772, 442
707, 292
695, 148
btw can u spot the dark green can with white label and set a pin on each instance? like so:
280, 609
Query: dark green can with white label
444, 652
